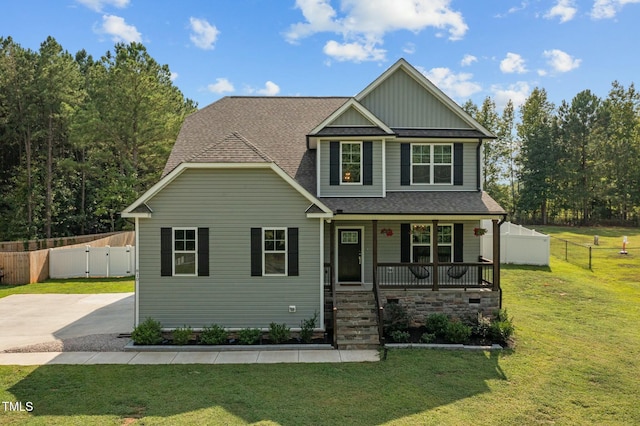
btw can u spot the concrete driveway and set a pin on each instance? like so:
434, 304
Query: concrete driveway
28, 319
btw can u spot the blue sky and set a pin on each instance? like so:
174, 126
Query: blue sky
470, 49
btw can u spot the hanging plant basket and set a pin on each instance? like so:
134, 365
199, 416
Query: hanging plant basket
478, 232
387, 231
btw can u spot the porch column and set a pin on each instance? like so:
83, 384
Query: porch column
374, 240
332, 256
434, 254
496, 255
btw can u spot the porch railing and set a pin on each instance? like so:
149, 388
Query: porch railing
450, 275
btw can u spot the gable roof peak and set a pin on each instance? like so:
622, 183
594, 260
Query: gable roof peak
234, 148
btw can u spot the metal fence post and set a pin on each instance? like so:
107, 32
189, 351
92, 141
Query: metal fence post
566, 251
590, 258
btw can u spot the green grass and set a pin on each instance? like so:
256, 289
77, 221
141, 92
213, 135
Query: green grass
72, 286
576, 361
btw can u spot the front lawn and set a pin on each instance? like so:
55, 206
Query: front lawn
72, 286
576, 361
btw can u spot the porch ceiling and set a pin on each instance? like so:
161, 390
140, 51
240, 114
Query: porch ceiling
447, 203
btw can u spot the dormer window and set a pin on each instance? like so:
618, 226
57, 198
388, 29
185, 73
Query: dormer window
351, 162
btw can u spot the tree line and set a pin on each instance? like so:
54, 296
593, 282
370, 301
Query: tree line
80, 138
577, 163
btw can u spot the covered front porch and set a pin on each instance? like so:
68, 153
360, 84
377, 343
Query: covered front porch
430, 265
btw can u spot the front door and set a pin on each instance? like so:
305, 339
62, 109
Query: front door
350, 255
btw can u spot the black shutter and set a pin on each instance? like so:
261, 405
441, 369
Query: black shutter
405, 242
367, 163
405, 164
203, 252
334, 163
256, 252
166, 263
458, 163
458, 241
292, 254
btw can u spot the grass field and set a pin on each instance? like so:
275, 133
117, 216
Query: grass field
576, 361
72, 286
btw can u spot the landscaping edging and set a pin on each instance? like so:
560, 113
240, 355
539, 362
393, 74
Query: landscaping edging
494, 347
131, 347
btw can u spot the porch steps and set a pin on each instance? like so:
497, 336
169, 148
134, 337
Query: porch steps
356, 320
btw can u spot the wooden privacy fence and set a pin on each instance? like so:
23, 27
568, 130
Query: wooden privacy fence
26, 267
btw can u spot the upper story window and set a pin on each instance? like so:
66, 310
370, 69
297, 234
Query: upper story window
351, 162
431, 163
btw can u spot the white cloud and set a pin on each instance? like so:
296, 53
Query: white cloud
561, 61
173, 76
517, 93
204, 35
455, 85
565, 9
468, 60
222, 85
365, 22
513, 63
118, 29
409, 49
98, 5
270, 89
604, 9
355, 52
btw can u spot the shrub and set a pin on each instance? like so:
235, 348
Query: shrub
502, 327
249, 336
457, 332
182, 335
279, 333
427, 337
437, 324
149, 332
482, 326
399, 336
396, 318
306, 328
214, 335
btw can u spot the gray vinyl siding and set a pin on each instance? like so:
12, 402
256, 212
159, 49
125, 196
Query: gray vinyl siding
351, 117
400, 101
327, 190
469, 177
389, 247
229, 203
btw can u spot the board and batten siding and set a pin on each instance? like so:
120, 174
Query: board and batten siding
400, 101
229, 202
350, 190
351, 117
469, 171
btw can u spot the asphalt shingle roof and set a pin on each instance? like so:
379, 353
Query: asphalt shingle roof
277, 126
418, 202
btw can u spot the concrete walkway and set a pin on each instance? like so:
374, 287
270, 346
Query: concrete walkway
224, 357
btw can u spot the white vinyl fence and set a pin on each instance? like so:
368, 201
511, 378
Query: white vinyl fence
76, 262
518, 245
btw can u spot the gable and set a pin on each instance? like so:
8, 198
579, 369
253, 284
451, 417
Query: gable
401, 101
351, 117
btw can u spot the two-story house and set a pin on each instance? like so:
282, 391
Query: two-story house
271, 209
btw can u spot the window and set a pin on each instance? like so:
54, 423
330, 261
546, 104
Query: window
431, 163
350, 162
421, 243
184, 251
274, 251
